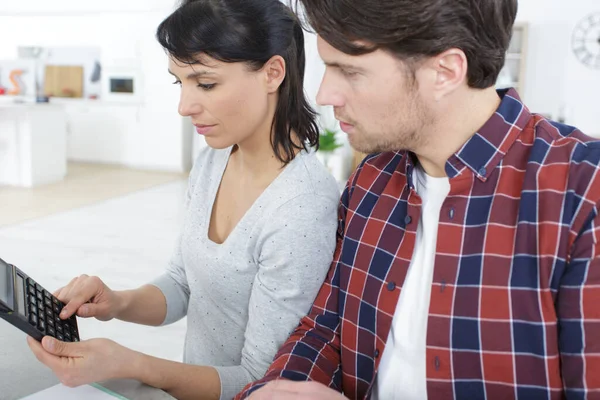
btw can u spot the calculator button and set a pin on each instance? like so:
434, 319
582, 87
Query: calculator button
33, 308
49, 313
50, 321
59, 328
48, 302
39, 287
40, 296
47, 295
55, 301
75, 338
56, 309
58, 320
41, 325
40, 304
67, 334
33, 320
30, 282
31, 290
60, 337
51, 331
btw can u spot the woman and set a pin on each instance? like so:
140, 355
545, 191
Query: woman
261, 217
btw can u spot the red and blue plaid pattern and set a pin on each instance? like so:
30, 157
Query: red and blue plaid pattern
515, 301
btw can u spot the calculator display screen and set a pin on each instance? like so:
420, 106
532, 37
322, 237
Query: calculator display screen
20, 289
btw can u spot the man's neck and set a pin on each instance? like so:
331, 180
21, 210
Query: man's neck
460, 121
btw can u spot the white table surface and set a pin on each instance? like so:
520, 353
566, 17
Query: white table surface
21, 374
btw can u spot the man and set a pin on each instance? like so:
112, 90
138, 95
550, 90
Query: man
467, 260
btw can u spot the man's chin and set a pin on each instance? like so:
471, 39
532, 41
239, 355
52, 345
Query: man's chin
360, 146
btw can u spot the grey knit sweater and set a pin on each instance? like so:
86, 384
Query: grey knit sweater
245, 296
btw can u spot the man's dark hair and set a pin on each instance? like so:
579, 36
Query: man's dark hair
414, 29
251, 32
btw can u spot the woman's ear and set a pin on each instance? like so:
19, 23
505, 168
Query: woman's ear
274, 70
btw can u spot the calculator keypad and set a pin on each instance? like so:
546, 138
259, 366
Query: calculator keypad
44, 310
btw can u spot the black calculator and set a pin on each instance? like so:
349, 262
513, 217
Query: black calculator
31, 308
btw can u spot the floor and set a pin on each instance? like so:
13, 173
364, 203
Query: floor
85, 184
117, 224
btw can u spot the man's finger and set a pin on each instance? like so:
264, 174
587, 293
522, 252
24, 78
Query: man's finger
285, 389
281, 389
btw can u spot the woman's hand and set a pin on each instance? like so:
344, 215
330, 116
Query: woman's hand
88, 296
85, 362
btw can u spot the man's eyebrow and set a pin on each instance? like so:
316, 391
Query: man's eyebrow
195, 75
343, 66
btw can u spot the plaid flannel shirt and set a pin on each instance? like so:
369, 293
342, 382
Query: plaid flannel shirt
515, 298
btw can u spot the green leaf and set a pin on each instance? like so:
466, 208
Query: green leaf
327, 141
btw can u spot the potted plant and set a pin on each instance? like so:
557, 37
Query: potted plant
327, 145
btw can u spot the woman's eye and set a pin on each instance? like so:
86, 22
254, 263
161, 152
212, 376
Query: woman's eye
207, 86
177, 83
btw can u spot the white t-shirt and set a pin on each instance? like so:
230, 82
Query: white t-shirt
402, 371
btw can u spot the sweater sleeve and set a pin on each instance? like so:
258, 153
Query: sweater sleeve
294, 253
174, 283
174, 286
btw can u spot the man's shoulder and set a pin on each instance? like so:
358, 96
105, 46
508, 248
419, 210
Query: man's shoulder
564, 150
563, 166
573, 145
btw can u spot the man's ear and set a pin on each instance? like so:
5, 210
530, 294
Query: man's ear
450, 68
275, 70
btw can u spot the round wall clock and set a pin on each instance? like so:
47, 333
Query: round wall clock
586, 41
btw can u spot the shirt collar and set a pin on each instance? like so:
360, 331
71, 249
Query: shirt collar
485, 149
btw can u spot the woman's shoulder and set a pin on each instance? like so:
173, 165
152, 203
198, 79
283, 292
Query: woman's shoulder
306, 176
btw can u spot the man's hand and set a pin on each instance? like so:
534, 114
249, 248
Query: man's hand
288, 390
85, 362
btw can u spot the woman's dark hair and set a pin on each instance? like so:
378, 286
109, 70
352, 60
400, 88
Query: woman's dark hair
251, 32
413, 29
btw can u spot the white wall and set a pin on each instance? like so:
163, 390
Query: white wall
148, 135
555, 78
60, 7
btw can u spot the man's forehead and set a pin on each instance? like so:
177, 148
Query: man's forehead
334, 57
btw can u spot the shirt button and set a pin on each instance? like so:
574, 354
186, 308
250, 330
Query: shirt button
407, 220
391, 286
437, 363
451, 213
376, 353
482, 171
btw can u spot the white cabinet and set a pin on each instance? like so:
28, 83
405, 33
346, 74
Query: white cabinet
32, 144
104, 133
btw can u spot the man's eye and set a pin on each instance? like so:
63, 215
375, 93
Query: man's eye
349, 74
